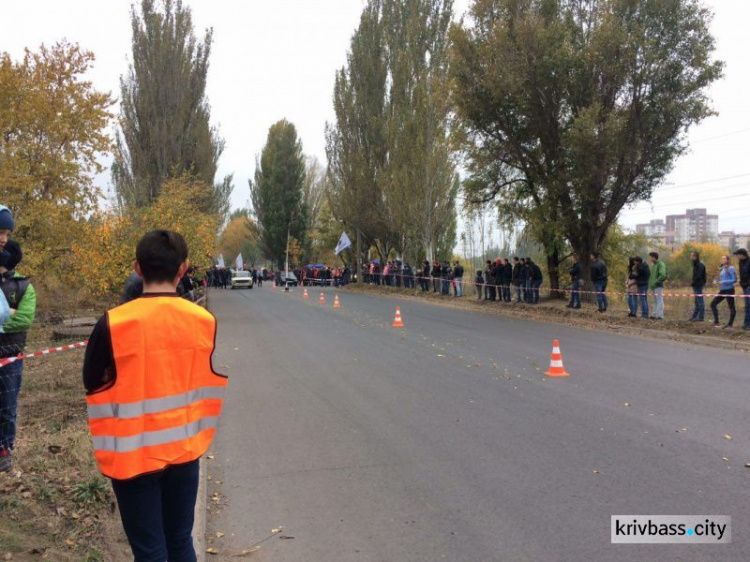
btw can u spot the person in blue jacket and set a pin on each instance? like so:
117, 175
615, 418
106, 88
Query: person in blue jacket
727, 281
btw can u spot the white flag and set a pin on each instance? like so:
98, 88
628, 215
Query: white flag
221, 261
343, 244
239, 263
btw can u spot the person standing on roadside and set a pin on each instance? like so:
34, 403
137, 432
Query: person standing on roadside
575, 279
744, 266
154, 401
458, 274
656, 284
516, 278
697, 283
598, 273
642, 275
727, 280
21, 297
479, 283
489, 283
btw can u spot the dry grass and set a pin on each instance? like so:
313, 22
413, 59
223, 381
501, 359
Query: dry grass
54, 503
677, 312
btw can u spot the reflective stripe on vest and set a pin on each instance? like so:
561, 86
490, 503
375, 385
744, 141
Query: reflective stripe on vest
165, 402
151, 438
154, 405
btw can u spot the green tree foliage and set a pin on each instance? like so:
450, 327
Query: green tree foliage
390, 163
574, 109
276, 192
681, 268
164, 119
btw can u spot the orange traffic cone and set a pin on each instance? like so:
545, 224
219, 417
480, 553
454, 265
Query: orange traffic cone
305, 295
397, 322
556, 368
336, 302
322, 299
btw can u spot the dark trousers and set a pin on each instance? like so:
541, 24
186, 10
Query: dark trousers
10, 385
157, 512
699, 311
724, 295
575, 295
746, 298
535, 285
601, 298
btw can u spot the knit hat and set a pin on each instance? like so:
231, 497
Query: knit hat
15, 255
6, 219
741, 252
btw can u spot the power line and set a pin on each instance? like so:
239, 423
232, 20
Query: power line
721, 136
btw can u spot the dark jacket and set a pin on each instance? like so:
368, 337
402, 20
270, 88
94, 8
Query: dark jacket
744, 271
497, 271
536, 273
435, 271
641, 275
517, 270
598, 272
507, 274
699, 274
458, 272
575, 272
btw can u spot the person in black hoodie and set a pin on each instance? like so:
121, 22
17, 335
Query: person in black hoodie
516, 278
507, 279
424, 278
575, 283
436, 277
497, 273
458, 274
536, 281
489, 288
599, 279
744, 273
479, 282
698, 283
641, 277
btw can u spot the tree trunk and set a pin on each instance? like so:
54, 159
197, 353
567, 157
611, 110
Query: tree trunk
553, 270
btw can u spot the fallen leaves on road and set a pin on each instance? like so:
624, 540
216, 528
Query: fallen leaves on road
728, 437
277, 530
212, 550
627, 404
219, 534
596, 471
285, 537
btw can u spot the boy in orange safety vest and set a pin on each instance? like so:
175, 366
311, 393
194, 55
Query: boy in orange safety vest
154, 401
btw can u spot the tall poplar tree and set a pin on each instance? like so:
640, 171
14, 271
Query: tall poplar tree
277, 194
165, 128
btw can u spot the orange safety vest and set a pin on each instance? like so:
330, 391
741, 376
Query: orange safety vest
165, 402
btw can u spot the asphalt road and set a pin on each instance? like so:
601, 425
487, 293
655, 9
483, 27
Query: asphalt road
444, 441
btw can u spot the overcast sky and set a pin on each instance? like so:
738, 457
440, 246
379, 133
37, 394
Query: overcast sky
275, 59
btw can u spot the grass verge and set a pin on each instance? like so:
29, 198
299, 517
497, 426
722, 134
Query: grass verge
677, 313
54, 505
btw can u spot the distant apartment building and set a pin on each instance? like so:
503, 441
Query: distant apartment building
655, 230
696, 225
730, 240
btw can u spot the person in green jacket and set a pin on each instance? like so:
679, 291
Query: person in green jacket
656, 284
21, 297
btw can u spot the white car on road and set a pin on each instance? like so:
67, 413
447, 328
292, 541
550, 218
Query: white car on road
242, 279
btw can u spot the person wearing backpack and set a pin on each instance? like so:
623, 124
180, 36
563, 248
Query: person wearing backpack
21, 297
656, 284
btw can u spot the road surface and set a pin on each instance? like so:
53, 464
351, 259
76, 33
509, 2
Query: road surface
444, 441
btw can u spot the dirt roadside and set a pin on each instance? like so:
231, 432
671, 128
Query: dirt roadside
674, 327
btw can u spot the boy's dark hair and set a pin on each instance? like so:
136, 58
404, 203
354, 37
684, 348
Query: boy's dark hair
638, 259
654, 255
596, 255
698, 254
160, 253
515, 258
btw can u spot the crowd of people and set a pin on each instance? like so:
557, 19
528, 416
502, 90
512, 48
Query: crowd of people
521, 279
221, 277
498, 281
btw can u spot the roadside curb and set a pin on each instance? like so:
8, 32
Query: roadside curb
199, 526
706, 341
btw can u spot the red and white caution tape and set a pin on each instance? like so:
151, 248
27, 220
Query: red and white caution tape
8, 360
